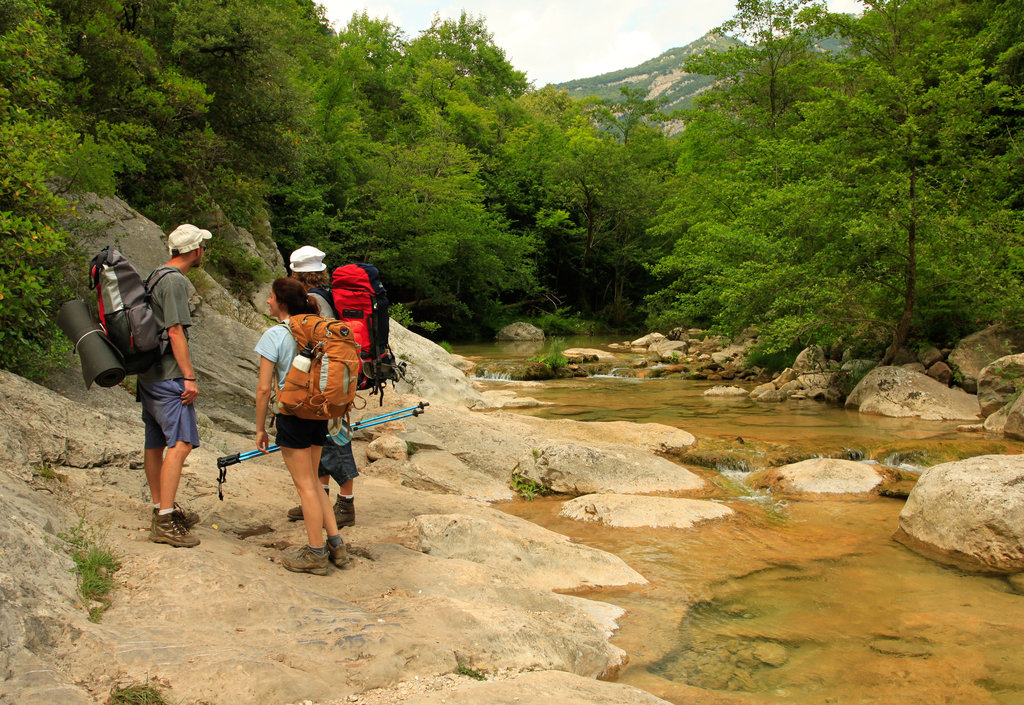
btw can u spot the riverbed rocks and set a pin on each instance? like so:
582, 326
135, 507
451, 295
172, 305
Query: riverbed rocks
568, 468
822, 476
726, 391
520, 330
969, 513
894, 391
635, 511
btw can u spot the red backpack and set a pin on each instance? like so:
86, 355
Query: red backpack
359, 297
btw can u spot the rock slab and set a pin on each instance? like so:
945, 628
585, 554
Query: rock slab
634, 511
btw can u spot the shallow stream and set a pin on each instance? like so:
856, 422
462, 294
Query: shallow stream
790, 601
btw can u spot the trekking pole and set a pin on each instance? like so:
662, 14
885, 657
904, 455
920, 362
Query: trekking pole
226, 461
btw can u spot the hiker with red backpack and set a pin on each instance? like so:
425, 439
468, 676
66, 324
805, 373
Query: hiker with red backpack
313, 364
337, 461
168, 389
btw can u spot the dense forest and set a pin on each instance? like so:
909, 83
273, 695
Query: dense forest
869, 193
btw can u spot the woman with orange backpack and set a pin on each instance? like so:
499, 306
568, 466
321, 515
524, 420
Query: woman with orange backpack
301, 440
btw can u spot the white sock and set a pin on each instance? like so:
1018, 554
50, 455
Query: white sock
156, 505
165, 512
327, 488
348, 496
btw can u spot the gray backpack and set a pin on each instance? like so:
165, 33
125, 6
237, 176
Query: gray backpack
125, 313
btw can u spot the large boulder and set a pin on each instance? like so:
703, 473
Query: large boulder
811, 359
823, 476
979, 349
1013, 421
998, 381
894, 391
633, 511
970, 513
573, 469
520, 330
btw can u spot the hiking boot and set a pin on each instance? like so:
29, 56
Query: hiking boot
338, 554
184, 516
345, 511
295, 513
304, 560
167, 529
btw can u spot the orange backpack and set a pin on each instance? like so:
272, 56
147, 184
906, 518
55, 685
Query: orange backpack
326, 391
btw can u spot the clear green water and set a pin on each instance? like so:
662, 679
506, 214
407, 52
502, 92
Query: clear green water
792, 601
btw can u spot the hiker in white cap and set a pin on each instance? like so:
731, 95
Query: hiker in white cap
169, 389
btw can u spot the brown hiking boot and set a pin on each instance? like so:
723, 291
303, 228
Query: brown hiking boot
167, 529
304, 560
345, 511
295, 513
184, 516
338, 554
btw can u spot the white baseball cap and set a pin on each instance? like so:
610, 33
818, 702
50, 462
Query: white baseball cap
186, 237
308, 259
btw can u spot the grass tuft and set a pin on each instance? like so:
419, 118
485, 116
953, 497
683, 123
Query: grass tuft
95, 566
136, 695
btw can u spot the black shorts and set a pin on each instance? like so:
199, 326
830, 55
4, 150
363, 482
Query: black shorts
293, 432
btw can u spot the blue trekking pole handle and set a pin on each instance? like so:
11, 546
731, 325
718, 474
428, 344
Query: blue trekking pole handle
228, 460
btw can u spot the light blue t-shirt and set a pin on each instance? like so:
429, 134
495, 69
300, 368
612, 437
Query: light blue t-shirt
278, 346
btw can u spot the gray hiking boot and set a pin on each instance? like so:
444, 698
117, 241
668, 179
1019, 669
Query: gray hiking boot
184, 516
345, 511
338, 554
304, 560
295, 513
167, 529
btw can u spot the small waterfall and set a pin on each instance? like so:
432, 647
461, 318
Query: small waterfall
489, 376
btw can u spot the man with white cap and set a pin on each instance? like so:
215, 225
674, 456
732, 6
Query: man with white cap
169, 388
307, 265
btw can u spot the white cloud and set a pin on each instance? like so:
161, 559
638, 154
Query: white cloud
559, 40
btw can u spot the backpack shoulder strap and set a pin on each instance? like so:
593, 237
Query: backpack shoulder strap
153, 279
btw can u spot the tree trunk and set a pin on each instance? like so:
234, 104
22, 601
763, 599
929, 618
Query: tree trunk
902, 331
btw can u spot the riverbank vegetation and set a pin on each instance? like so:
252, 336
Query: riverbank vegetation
845, 178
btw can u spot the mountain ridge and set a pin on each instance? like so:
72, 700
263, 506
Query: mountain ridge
661, 77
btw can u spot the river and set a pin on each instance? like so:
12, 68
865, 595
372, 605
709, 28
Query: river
794, 601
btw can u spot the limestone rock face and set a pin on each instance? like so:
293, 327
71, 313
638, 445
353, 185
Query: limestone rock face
969, 512
824, 476
573, 469
516, 547
998, 381
520, 330
634, 511
430, 374
893, 391
984, 347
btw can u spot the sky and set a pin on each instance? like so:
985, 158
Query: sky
559, 40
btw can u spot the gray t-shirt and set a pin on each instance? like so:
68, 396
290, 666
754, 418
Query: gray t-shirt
169, 299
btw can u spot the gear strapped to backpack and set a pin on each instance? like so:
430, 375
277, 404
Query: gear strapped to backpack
125, 311
359, 297
326, 387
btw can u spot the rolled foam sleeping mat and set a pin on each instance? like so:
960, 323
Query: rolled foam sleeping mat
100, 361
